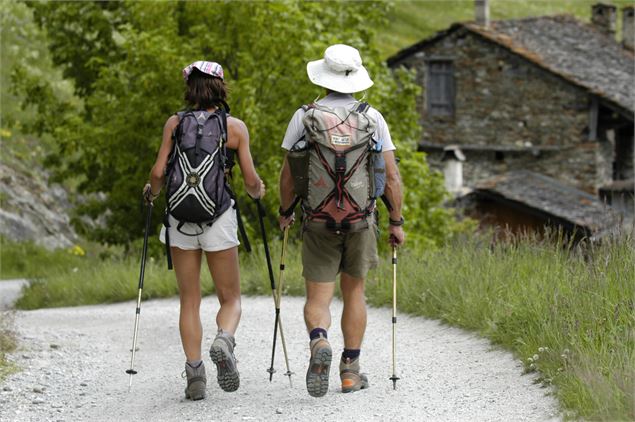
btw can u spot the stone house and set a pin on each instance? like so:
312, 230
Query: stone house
550, 94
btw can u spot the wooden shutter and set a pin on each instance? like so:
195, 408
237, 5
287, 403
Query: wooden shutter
440, 88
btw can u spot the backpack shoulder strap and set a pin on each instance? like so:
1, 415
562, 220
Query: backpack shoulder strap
363, 107
223, 122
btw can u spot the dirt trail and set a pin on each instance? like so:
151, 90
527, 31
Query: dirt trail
73, 362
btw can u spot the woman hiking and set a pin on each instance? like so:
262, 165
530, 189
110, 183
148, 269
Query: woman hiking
200, 217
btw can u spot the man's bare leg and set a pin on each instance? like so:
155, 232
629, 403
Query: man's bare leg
317, 316
354, 313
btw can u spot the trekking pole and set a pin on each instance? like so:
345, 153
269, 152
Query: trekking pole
285, 238
394, 377
277, 322
132, 371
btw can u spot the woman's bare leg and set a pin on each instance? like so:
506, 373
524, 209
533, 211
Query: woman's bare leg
223, 266
187, 266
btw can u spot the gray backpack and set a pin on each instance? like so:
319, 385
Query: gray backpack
198, 173
337, 167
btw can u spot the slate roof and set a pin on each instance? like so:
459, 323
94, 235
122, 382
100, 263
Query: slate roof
549, 196
563, 45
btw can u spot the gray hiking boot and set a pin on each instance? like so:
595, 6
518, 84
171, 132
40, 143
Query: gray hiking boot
196, 381
222, 354
352, 380
317, 376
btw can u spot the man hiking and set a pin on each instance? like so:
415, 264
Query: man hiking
339, 158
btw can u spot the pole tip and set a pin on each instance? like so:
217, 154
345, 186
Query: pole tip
394, 379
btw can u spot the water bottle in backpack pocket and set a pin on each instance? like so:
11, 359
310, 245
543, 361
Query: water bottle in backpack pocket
298, 159
377, 169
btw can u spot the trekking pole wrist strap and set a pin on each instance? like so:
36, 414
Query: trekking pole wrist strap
151, 194
289, 211
399, 222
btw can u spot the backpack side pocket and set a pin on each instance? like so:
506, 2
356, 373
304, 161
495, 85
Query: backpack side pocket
298, 158
377, 170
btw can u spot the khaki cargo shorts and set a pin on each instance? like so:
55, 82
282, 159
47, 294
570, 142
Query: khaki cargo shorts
325, 254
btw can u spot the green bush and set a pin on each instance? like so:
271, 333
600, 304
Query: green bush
125, 60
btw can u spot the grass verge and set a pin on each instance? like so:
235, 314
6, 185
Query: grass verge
567, 313
7, 344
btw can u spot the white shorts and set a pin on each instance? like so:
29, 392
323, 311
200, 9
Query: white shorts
221, 235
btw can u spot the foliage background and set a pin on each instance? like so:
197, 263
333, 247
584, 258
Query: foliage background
125, 61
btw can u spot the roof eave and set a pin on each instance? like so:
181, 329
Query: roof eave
397, 58
535, 59
481, 31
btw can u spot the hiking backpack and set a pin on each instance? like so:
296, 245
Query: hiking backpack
337, 167
197, 188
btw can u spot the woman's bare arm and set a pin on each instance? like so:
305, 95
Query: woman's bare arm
238, 139
157, 174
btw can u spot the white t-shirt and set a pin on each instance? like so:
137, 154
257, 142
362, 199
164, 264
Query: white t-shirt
334, 99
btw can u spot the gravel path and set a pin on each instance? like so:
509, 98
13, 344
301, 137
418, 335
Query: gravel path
73, 362
10, 291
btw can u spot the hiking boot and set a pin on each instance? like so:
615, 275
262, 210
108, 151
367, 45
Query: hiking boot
196, 381
317, 376
222, 354
352, 380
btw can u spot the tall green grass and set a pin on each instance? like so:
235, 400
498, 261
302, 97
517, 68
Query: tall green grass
7, 344
567, 312
28, 260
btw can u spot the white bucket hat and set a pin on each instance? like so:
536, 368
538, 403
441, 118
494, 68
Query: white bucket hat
340, 70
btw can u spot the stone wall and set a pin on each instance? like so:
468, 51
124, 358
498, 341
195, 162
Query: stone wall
561, 165
502, 99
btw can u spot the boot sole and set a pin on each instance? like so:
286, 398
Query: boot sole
317, 376
227, 374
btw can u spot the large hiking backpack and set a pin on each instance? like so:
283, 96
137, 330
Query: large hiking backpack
337, 167
197, 188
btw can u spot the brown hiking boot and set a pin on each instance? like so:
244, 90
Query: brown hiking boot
222, 354
352, 380
317, 376
196, 381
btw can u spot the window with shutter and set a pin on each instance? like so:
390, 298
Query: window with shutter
440, 88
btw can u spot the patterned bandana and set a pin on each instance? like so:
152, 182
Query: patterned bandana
210, 68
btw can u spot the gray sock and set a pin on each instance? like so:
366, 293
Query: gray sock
194, 363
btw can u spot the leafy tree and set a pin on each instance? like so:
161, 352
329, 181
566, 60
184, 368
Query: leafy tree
125, 60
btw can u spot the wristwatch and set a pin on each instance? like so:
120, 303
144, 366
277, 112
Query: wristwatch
399, 222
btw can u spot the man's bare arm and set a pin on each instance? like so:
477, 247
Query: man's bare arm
393, 189
286, 186
394, 194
